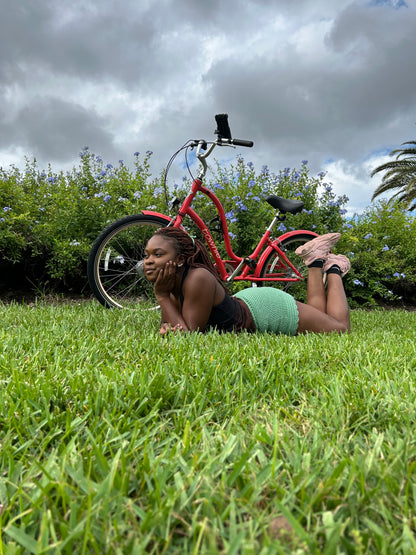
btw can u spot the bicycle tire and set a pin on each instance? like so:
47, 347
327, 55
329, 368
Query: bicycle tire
296, 288
115, 262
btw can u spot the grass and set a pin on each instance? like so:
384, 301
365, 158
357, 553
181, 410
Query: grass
115, 440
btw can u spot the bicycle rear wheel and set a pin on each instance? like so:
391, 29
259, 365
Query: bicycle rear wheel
115, 262
274, 265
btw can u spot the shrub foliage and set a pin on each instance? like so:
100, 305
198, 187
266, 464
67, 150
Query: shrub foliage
49, 221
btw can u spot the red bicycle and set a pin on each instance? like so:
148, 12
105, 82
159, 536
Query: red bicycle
115, 263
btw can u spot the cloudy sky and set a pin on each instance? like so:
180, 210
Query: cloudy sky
330, 81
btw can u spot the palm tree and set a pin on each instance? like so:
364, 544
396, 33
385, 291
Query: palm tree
400, 174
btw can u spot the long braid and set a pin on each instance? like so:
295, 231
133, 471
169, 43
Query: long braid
194, 251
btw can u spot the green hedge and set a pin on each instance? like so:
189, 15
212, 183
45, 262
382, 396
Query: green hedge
49, 221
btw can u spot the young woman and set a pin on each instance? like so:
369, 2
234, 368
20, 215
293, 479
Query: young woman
192, 297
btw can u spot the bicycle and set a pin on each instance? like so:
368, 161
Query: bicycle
115, 262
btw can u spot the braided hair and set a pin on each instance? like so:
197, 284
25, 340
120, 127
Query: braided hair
193, 250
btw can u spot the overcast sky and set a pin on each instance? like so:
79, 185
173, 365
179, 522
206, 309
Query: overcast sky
330, 81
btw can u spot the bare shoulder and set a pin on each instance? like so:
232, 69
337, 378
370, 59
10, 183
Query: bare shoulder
200, 280
200, 277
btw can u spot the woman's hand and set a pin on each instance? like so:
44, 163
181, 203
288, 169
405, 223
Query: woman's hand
166, 328
166, 279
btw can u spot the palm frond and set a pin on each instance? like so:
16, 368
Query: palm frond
399, 174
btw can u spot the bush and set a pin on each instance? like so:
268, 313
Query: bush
381, 245
49, 221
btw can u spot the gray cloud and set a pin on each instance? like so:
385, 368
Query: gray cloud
51, 128
317, 80
86, 40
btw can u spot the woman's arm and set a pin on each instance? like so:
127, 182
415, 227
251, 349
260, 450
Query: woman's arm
199, 291
163, 287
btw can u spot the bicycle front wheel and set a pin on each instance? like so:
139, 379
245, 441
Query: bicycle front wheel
274, 265
115, 262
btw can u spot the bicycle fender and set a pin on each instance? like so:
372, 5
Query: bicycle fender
277, 242
167, 219
293, 233
158, 214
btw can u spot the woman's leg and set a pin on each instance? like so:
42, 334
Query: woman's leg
325, 311
336, 300
335, 316
315, 289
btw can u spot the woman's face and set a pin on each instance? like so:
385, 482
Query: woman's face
158, 251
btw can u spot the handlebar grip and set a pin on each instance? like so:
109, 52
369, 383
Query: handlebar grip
242, 142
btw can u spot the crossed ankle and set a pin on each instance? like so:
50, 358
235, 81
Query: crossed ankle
318, 263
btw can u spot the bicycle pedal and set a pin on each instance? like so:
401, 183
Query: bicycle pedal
250, 263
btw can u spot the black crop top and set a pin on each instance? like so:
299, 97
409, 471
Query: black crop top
230, 315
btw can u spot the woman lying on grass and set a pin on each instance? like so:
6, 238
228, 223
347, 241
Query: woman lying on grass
192, 297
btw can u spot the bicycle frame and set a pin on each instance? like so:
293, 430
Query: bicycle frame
241, 265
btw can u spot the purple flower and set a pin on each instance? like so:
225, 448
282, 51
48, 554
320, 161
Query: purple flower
107, 197
358, 282
304, 162
158, 191
7, 209
137, 194
385, 248
109, 166
218, 186
251, 183
368, 236
136, 153
231, 216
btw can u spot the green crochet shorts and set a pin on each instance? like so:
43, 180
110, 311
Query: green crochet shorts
273, 310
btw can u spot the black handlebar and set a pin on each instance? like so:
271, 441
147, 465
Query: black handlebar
242, 142
224, 133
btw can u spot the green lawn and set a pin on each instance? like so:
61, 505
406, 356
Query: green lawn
115, 440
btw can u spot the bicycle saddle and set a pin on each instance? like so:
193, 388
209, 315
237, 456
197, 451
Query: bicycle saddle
284, 204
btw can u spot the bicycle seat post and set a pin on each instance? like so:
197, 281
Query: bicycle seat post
276, 218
